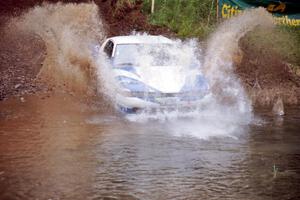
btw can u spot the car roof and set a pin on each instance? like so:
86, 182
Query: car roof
140, 39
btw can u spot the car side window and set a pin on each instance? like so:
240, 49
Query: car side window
108, 49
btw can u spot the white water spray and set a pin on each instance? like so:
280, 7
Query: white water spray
227, 109
69, 31
218, 64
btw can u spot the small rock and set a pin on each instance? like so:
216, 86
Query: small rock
278, 108
17, 86
22, 99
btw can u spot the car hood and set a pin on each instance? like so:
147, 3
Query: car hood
166, 79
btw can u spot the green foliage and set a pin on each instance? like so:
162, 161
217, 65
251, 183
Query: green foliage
188, 18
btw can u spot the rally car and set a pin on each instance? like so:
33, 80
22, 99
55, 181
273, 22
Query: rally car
148, 76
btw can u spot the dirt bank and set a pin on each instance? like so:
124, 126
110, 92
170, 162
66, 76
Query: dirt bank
264, 74
119, 19
21, 57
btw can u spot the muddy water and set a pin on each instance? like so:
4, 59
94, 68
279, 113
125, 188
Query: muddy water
60, 148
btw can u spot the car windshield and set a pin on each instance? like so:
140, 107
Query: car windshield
148, 54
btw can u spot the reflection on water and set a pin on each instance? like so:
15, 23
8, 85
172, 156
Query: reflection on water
60, 148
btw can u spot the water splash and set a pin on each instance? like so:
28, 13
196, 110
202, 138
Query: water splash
69, 31
227, 108
218, 63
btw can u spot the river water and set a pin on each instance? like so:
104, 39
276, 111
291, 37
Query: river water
57, 147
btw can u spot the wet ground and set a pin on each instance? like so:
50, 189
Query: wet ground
60, 148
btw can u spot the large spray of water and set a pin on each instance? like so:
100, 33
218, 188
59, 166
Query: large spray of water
70, 31
218, 63
227, 109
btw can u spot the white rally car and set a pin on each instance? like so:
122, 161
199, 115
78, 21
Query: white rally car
149, 77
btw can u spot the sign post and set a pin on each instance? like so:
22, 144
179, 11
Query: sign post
217, 15
152, 6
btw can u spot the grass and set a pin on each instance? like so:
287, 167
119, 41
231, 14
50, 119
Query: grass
187, 18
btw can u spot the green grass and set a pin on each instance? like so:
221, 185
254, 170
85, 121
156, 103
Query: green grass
187, 18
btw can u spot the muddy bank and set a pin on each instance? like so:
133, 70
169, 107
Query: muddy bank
119, 19
266, 76
21, 57
122, 20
